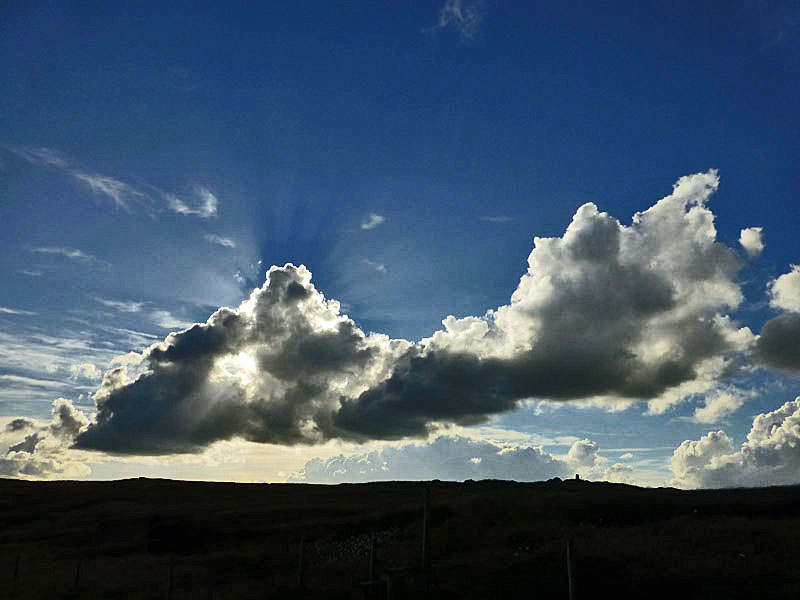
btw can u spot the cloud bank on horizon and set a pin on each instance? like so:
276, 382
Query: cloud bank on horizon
607, 312
456, 458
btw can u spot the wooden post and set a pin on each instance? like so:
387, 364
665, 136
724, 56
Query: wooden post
301, 564
16, 574
372, 557
570, 572
170, 577
77, 582
426, 541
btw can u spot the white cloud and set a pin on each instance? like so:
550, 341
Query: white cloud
30, 273
164, 318
15, 311
118, 191
718, 406
70, 253
752, 240
636, 312
618, 473
379, 267
208, 203
447, 457
52, 356
497, 219
206, 207
219, 240
129, 358
85, 371
465, 16
128, 306
124, 195
39, 156
785, 291
769, 456
583, 456
19, 379
372, 221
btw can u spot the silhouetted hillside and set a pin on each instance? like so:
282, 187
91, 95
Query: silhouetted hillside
489, 539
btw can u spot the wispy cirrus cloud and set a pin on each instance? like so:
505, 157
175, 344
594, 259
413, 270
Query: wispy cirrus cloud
120, 305
465, 16
213, 238
205, 208
499, 219
123, 194
379, 267
162, 318
18, 379
15, 311
165, 319
39, 156
372, 220
71, 253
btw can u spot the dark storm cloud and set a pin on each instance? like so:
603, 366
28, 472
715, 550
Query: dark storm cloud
298, 345
605, 311
779, 343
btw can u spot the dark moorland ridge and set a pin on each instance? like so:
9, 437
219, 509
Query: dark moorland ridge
489, 539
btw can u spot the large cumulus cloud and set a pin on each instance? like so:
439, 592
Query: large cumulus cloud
769, 456
607, 310
272, 370
637, 311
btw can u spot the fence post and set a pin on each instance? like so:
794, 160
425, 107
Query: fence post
170, 576
372, 557
16, 574
426, 541
570, 571
301, 565
77, 582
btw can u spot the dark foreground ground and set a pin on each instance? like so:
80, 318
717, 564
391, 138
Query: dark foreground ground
492, 539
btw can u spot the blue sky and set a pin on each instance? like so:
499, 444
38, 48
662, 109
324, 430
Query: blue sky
155, 161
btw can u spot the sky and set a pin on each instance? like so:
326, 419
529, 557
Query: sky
368, 240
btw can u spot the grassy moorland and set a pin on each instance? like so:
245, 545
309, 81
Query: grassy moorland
489, 539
